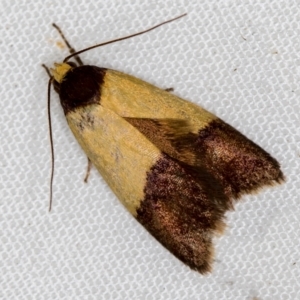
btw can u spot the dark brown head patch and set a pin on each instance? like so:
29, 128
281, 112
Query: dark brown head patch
81, 86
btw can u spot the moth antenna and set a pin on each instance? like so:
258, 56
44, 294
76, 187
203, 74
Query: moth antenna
117, 40
50, 135
71, 49
79, 61
47, 70
51, 144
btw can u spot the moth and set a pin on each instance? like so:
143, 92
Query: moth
176, 167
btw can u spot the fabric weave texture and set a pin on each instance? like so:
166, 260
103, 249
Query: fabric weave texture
238, 59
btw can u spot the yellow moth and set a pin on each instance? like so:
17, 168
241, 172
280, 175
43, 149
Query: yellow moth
176, 167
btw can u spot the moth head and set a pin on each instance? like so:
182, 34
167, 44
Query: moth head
60, 70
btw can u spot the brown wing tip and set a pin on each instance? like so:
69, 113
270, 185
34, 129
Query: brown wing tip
261, 185
205, 267
239, 164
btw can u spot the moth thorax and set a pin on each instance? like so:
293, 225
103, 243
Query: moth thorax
60, 71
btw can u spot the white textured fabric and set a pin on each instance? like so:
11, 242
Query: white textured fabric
238, 59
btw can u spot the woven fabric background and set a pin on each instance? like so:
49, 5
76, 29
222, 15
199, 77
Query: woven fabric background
238, 59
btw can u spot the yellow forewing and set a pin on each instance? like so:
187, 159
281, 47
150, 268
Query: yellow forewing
131, 97
118, 150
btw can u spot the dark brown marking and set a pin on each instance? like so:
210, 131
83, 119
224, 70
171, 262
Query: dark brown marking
182, 208
172, 136
185, 204
86, 121
169, 89
238, 163
81, 86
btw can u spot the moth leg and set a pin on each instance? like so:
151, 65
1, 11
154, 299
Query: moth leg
169, 89
71, 49
88, 170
